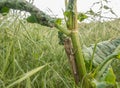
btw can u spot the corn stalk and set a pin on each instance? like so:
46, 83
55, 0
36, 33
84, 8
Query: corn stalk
79, 69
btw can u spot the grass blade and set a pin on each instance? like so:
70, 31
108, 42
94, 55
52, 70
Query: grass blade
26, 75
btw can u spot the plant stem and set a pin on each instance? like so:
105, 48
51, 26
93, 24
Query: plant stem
79, 60
73, 26
78, 54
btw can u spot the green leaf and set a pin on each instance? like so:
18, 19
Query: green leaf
82, 16
101, 85
58, 21
32, 19
110, 77
98, 84
4, 10
68, 13
27, 75
118, 84
118, 56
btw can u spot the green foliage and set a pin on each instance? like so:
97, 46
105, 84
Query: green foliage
100, 84
32, 19
68, 13
58, 21
107, 80
25, 49
118, 56
61, 37
4, 10
35, 45
117, 52
26, 76
82, 16
69, 18
110, 77
103, 51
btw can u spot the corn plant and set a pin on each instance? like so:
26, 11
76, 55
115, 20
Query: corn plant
85, 77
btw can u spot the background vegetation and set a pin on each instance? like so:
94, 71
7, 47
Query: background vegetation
25, 46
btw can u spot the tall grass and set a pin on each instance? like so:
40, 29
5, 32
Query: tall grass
25, 46
99, 31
